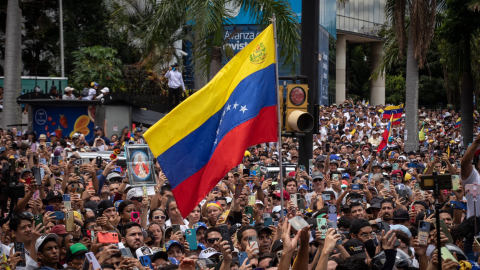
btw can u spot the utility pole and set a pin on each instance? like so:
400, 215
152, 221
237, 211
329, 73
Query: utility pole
309, 66
62, 59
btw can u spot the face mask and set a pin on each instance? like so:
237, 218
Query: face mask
174, 68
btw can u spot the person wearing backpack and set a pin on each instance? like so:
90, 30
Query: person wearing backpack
89, 93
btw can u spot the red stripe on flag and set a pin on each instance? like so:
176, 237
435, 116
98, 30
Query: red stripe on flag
228, 154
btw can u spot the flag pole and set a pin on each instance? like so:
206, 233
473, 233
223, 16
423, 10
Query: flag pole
279, 115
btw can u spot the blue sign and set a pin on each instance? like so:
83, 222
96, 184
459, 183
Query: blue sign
63, 121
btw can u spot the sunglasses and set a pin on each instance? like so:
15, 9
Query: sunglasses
149, 243
159, 217
317, 180
139, 199
213, 240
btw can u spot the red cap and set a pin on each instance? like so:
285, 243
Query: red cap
58, 229
286, 195
344, 182
291, 174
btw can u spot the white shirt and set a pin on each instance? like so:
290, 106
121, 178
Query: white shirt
66, 97
175, 79
473, 178
91, 93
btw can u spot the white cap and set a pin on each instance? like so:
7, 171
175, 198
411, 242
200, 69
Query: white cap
44, 237
69, 89
143, 251
105, 90
131, 194
207, 253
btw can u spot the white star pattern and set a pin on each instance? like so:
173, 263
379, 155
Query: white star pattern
224, 112
235, 105
228, 108
215, 141
244, 108
218, 130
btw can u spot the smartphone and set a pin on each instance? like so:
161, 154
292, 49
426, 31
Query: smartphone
99, 212
455, 182
175, 228
145, 261
447, 255
252, 241
19, 247
238, 191
293, 198
423, 232
33, 147
302, 168
107, 237
356, 187
251, 200
322, 227
49, 208
38, 220
126, 252
191, 237
402, 193
242, 256
202, 264
395, 166
267, 221
386, 184
335, 176
444, 227
70, 221
99, 161
249, 213
76, 170
91, 259
416, 187
225, 233
246, 171
136, 216
370, 177
67, 202
43, 161
55, 161
59, 215
298, 223
327, 147
224, 215
326, 197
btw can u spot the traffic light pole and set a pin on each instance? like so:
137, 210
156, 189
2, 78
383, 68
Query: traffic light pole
309, 66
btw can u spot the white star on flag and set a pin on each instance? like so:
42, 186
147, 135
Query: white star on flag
215, 141
228, 108
243, 109
235, 105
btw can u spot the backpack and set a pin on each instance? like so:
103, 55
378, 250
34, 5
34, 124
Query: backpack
85, 92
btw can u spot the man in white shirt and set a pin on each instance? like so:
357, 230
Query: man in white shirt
175, 84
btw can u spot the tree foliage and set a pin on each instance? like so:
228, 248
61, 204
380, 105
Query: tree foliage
395, 89
99, 64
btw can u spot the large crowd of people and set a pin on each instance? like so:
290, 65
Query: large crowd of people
353, 207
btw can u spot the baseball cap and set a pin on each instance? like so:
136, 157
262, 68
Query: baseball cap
286, 195
346, 175
355, 248
132, 193
277, 245
43, 238
94, 84
58, 229
401, 228
69, 89
19, 134
303, 187
53, 194
97, 128
113, 175
172, 243
160, 255
138, 129
76, 250
424, 204
207, 253
198, 225
105, 90
400, 214
317, 175
258, 202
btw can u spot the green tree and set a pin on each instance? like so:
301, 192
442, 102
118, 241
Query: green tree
394, 89
98, 64
460, 27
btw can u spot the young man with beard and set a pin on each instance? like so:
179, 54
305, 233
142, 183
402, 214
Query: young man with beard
387, 208
24, 231
132, 236
357, 210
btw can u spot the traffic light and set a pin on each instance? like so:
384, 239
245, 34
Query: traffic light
296, 114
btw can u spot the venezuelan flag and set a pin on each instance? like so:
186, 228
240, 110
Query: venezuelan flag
396, 111
205, 136
385, 136
458, 123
